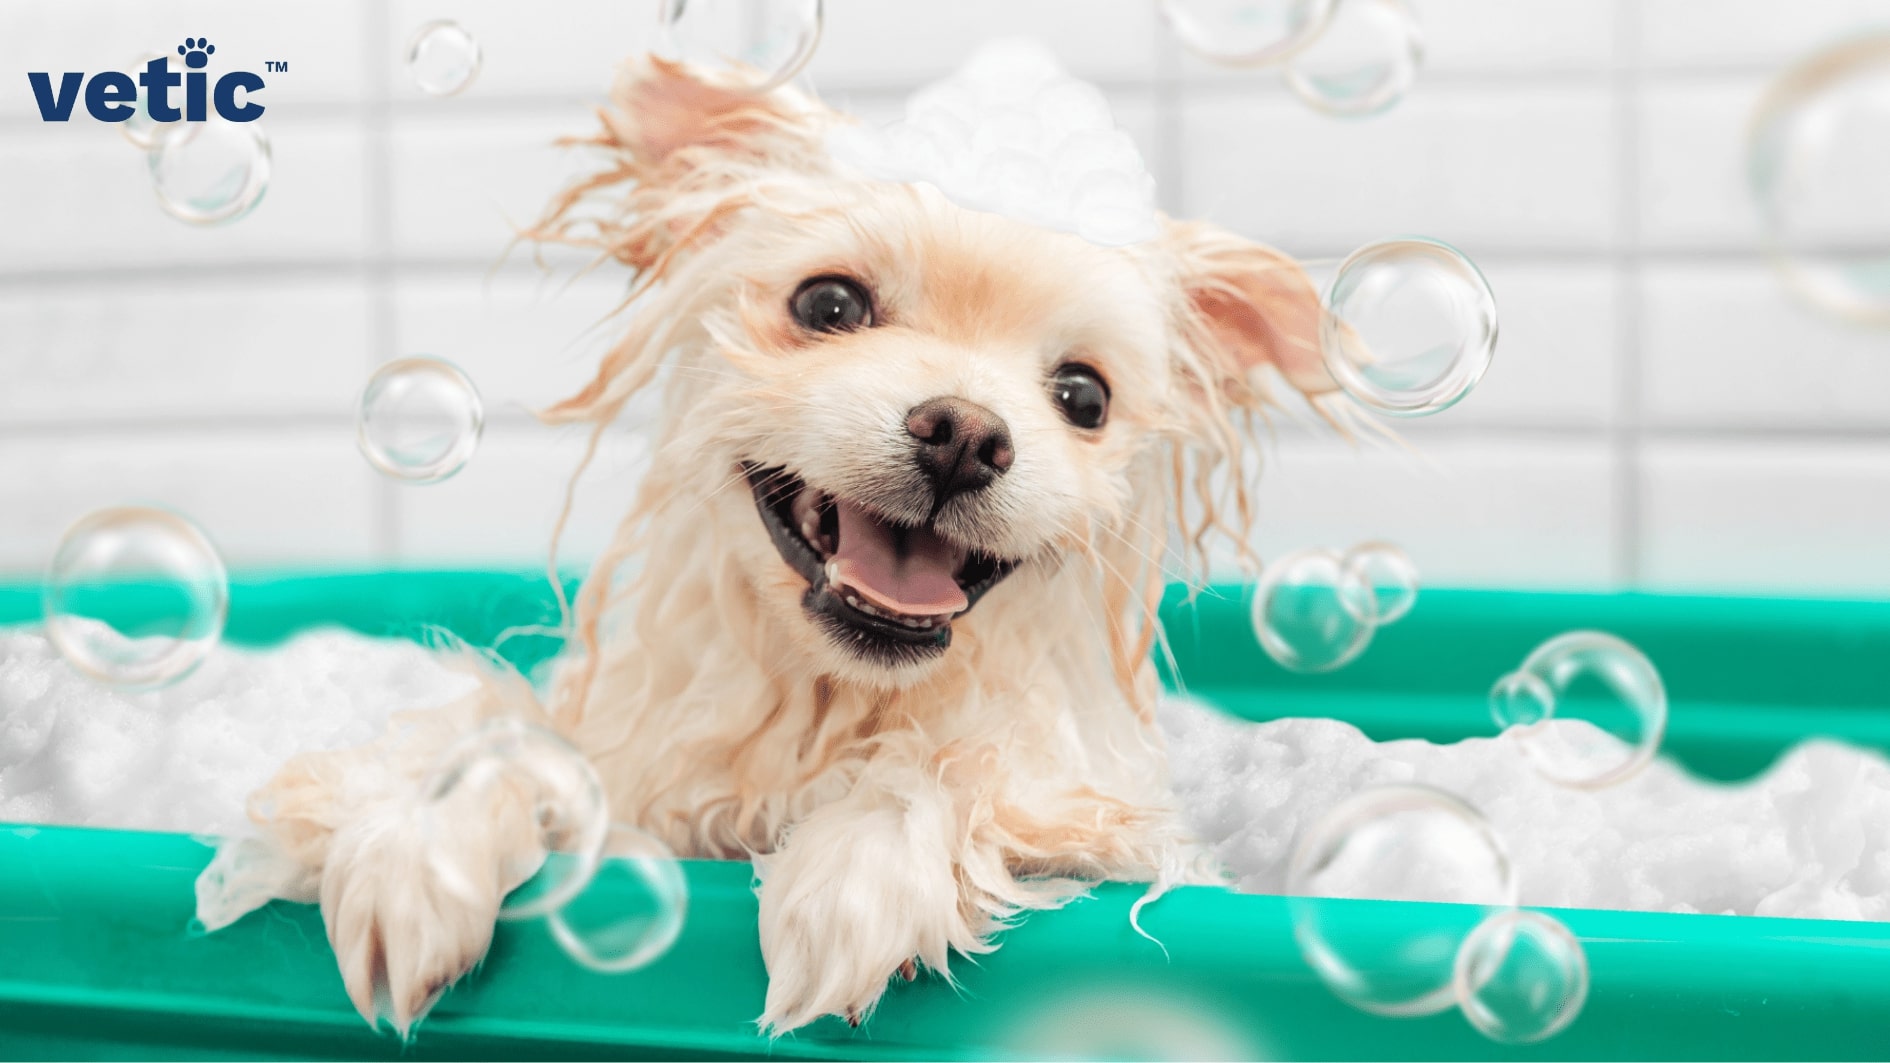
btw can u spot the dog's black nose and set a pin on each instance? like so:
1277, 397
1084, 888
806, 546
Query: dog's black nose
961, 445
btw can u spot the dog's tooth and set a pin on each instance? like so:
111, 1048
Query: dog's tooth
833, 571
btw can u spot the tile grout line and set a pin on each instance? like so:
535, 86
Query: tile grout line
384, 504
1624, 83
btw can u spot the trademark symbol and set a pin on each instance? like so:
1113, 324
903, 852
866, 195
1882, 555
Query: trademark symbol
276, 66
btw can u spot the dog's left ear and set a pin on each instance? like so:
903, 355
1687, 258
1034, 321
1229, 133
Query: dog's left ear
1247, 307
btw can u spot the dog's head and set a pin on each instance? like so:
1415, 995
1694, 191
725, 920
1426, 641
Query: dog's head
922, 401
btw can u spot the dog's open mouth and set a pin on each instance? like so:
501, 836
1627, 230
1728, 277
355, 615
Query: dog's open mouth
881, 586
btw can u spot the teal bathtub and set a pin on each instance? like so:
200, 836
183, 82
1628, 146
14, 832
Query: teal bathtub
97, 959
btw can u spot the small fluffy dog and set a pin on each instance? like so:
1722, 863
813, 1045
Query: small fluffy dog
887, 628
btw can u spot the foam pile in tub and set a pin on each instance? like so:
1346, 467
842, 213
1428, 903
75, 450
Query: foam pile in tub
1807, 839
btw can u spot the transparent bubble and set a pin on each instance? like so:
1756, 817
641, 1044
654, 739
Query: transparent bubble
1521, 977
145, 132
1818, 162
1521, 699
1362, 63
443, 58
1606, 710
1306, 612
420, 419
631, 911
1405, 843
1410, 326
1383, 583
210, 173
765, 43
135, 597
509, 759
1246, 32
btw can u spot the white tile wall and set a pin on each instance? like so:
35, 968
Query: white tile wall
1660, 411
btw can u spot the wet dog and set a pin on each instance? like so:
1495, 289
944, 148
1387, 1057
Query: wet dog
880, 616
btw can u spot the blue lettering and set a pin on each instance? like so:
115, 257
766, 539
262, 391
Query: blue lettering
110, 96
55, 108
195, 106
158, 80
227, 88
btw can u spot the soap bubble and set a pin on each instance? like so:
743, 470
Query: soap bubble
1246, 32
1362, 63
443, 58
1301, 613
1818, 162
631, 911
209, 173
1404, 843
509, 758
135, 597
1603, 709
420, 419
145, 132
1521, 699
770, 41
1410, 326
1383, 582
1521, 977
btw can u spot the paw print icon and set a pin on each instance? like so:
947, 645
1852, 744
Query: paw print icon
196, 52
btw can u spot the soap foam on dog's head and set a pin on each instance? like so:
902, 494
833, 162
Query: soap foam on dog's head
1011, 133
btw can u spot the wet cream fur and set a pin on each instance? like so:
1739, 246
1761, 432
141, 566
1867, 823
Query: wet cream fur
893, 814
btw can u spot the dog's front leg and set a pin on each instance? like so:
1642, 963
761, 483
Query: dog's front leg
409, 887
861, 888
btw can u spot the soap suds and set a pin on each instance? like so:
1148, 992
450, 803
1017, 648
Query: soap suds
1810, 838
1011, 133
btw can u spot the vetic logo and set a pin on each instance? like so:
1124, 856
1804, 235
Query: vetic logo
113, 96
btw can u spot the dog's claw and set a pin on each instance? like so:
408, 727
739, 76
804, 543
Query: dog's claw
909, 970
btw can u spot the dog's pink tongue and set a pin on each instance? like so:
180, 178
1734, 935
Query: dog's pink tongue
909, 571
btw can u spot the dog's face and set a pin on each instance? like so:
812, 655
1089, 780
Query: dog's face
930, 399
929, 405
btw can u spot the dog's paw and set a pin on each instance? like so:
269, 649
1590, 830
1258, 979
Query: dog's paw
409, 910
845, 910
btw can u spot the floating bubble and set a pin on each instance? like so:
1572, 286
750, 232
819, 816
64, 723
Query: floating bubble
210, 173
766, 42
1406, 843
1818, 162
1521, 977
509, 759
631, 911
420, 419
1383, 580
1521, 699
1306, 612
1409, 327
443, 58
1246, 32
144, 131
135, 597
1603, 709
1362, 63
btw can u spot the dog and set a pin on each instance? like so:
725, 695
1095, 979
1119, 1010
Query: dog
881, 615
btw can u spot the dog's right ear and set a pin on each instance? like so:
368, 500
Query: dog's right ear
686, 151
685, 147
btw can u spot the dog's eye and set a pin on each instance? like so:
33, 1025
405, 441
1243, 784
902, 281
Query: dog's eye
832, 304
1081, 395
